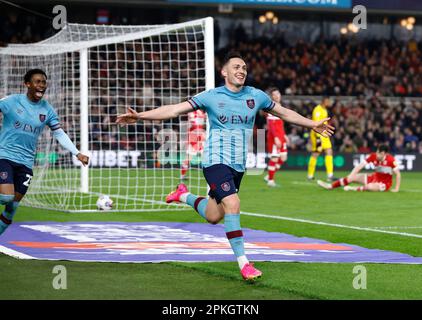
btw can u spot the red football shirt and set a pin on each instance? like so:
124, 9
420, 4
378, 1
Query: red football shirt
383, 169
275, 127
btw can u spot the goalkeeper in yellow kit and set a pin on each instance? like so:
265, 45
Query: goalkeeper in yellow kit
320, 143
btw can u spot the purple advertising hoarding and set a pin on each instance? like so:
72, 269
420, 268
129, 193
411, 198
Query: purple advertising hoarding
165, 241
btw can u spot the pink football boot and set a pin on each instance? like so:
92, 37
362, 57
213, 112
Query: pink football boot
249, 273
175, 195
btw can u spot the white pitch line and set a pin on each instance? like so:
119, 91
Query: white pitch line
405, 234
14, 253
313, 184
398, 227
305, 183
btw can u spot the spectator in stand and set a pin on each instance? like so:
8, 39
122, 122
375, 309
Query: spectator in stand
334, 67
348, 146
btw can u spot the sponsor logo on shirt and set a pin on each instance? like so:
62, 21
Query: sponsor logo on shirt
236, 119
27, 127
222, 118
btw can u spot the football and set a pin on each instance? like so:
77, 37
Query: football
104, 202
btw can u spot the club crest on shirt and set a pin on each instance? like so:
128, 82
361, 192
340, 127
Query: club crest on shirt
3, 175
250, 103
42, 117
225, 186
19, 111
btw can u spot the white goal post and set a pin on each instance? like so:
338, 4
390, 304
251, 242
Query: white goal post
94, 73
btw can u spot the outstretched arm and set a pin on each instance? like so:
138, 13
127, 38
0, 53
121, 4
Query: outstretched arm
162, 113
398, 180
293, 117
66, 143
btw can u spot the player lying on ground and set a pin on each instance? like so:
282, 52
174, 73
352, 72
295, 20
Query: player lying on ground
277, 141
381, 180
231, 111
24, 119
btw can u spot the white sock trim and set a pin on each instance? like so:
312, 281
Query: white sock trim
242, 260
184, 197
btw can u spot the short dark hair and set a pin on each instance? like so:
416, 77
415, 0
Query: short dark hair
326, 97
30, 73
231, 55
383, 148
270, 90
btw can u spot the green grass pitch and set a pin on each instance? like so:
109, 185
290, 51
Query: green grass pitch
296, 198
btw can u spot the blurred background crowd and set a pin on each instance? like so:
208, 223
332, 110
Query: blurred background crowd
370, 70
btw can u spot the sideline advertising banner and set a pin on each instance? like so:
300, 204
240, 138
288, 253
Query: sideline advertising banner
296, 160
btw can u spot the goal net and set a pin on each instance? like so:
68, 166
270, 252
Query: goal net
94, 73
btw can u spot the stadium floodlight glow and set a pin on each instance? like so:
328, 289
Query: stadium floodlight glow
403, 23
275, 20
343, 30
269, 15
352, 28
411, 20
95, 72
409, 27
262, 19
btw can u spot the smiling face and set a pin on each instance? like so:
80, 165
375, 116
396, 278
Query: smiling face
234, 73
36, 87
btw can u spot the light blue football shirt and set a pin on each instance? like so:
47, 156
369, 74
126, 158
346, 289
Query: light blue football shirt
231, 117
23, 122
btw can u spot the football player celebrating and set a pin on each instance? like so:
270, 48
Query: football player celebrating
232, 110
24, 118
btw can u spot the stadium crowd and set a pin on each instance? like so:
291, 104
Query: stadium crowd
363, 124
341, 67
367, 70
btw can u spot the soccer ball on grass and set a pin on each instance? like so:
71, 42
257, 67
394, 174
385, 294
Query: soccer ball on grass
104, 202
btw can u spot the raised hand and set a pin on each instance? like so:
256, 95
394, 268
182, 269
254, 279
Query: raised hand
130, 117
323, 128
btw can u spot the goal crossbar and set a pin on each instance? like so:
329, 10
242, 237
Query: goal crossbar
46, 48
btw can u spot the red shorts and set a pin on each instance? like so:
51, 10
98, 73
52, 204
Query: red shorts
374, 178
272, 147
